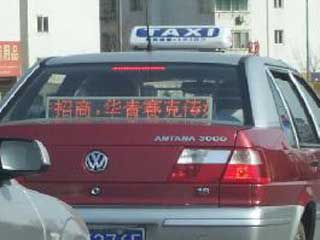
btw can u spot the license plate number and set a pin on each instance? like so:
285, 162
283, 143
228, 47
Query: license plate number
117, 234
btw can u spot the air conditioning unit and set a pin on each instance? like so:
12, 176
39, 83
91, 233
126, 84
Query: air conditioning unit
239, 20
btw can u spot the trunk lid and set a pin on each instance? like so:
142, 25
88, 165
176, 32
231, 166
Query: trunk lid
141, 157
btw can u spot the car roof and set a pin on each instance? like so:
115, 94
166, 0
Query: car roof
144, 56
156, 56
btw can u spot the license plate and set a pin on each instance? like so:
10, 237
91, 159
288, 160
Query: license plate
117, 234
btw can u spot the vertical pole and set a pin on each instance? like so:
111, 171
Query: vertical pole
120, 26
149, 47
24, 32
307, 42
214, 11
268, 27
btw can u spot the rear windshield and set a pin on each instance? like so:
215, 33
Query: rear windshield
157, 92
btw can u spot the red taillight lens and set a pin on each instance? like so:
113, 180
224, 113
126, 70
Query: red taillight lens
183, 172
137, 68
246, 166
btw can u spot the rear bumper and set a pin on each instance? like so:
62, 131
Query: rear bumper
201, 223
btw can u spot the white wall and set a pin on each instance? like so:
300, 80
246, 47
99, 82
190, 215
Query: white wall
9, 20
291, 19
74, 28
258, 24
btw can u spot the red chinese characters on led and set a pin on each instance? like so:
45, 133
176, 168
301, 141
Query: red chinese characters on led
82, 108
152, 108
63, 108
173, 108
132, 109
196, 108
113, 107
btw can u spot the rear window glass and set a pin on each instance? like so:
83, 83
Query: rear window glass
157, 92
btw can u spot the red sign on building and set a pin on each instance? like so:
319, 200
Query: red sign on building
10, 59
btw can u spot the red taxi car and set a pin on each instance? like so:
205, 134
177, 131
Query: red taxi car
175, 144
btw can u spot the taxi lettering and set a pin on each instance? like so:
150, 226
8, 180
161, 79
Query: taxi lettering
207, 32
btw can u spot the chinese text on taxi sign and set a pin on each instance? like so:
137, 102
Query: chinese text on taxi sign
198, 108
10, 59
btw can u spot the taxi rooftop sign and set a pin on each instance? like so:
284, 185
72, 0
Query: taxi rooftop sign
181, 37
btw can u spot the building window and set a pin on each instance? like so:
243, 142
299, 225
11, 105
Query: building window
108, 10
206, 6
232, 5
278, 3
42, 24
136, 5
278, 37
240, 39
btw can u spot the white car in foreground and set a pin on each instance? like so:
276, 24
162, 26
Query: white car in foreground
26, 214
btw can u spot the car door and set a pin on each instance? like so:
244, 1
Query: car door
302, 118
313, 105
307, 147
18, 217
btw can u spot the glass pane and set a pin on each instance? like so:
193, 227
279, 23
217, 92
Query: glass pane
283, 115
312, 99
223, 5
244, 39
220, 84
243, 5
46, 24
236, 40
239, 5
219, 5
236, 5
39, 24
305, 129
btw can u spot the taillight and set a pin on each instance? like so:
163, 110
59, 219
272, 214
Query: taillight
199, 166
246, 166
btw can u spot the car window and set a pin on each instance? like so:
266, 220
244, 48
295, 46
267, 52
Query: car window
284, 117
311, 98
205, 92
305, 129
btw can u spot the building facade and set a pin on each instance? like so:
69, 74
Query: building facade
9, 40
274, 28
118, 17
37, 29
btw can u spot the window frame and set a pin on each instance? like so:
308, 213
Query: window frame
279, 35
285, 104
241, 33
303, 96
21, 86
42, 24
231, 7
307, 109
278, 4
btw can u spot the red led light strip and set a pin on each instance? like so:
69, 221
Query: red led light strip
138, 68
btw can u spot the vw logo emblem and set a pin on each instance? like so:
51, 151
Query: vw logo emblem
96, 161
